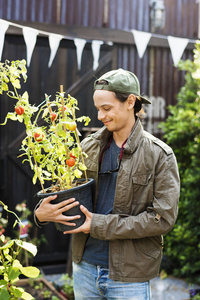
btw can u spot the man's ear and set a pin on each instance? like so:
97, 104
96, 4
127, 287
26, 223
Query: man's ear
131, 101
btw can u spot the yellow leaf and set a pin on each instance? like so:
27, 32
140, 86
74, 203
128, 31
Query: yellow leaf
77, 173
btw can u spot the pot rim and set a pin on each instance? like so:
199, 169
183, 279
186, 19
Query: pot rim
84, 185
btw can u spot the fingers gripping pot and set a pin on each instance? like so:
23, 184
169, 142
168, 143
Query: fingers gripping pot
83, 193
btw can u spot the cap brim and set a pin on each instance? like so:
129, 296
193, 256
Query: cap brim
145, 100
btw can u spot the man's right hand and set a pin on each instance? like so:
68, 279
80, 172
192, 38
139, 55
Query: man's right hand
48, 212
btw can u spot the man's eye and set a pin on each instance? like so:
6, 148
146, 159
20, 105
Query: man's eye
107, 109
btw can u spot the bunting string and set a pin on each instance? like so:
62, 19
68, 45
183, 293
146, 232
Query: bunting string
177, 45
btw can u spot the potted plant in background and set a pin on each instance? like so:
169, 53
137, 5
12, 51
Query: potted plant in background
27, 230
11, 267
12, 286
53, 149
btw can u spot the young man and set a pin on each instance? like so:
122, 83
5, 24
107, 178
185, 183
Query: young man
119, 247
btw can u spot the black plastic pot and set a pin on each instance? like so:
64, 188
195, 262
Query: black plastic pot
82, 193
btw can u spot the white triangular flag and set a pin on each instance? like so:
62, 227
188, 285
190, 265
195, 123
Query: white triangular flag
30, 37
54, 42
3, 27
141, 41
80, 44
177, 46
96, 53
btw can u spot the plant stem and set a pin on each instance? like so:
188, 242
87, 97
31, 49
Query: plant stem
79, 144
54, 124
65, 131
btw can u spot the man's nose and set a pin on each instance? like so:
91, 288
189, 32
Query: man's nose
100, 115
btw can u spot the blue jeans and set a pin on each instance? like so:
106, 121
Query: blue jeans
92, 282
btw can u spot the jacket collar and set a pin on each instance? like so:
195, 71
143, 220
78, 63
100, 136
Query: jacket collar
134, 138
103, 135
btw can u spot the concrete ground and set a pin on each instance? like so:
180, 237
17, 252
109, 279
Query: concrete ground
169, 288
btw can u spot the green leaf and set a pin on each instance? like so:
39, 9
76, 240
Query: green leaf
45, 112
4, 86
27, 246
11, 116
3, 283
47, 173
13, 274
77, 173
26, 296
20, 118
7, 245
17, 264
18, 292
2, 238
25, 97
16, 83
31, 272
82, 167
16, 222
34, 178
4, 294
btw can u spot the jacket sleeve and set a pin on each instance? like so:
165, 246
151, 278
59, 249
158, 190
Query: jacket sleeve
37, 222
157, 219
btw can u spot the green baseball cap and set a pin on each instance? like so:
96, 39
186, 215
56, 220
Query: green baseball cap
120, 81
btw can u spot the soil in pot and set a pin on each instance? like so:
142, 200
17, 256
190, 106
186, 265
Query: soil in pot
83, 193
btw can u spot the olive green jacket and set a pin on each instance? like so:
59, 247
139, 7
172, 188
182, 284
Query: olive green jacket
145, 205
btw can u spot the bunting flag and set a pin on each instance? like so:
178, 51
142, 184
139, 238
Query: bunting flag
96, 53
3, 27
177, 47
141, 41
80, 44
54, 42
30, 37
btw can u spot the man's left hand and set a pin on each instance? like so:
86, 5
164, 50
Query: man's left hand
85, 228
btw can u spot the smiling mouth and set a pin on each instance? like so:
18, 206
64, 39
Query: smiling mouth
106, 122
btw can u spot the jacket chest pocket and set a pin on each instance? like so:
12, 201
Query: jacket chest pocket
142, 185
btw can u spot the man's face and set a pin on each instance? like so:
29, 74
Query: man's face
114, 114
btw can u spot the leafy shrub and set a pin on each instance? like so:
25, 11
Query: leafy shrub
182, 132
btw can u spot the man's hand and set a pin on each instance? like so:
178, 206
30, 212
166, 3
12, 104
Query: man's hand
86, 225
48, 212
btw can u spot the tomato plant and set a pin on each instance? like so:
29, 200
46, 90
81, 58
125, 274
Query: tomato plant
49, 146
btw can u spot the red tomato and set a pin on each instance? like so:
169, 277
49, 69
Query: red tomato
65, 107
70, 162
53, 116
38, 136
71, 126
19, 110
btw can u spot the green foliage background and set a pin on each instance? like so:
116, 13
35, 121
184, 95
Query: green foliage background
182, 132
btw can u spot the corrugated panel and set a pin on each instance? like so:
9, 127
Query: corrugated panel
82, 13
182, 18
31, 10
181, 15
129, 14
